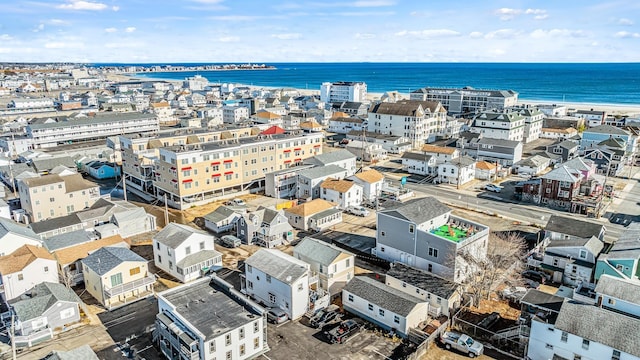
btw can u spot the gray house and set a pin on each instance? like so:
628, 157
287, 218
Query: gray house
44, 310
309, 180
265, 227
83, 352
567, 149
221, 219
423, 233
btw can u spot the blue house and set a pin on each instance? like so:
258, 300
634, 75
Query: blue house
622, 259
594, 136
102, 170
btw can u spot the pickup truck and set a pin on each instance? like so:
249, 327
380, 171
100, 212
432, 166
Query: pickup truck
344, 331
462, 343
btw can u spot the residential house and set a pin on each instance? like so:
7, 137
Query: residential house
267, 117
467, 100
423, 233
341, 158
208, 319
622, 258
82, 352
558, 133
593, 117
504, 152
333, 266
533, 165
25, 268
222, 219
234, 114
265, 227
116, 276
345, 193
443, 296
309, 180
283, 184
310, 126
391, 143
509, 125
69, 255
184, 252
440, 154
533, 121
459, 171
344, 125
370, 152
415, 120
567, 149
617, 294
567, 228
371, 182
14, 236
609, 156
52, 196
44, 310
278, 280
486, 170
163, 112
595, 135
419, 163
101, 169
572, 261
383, 305
314, 215
353, 108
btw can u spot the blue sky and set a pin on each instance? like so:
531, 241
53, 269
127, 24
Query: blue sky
320, 31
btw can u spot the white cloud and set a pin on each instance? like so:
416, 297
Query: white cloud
235, 18
58, 22
208, 2
229, 39
364, 36
110, 30
63, 45
115, 8
557, 33
535, 11
6, 37
507, 13
82, 5
541, 17
626, 22
502, 34
39, 28
287, 36
476, 34
366, 13
627, 35
429, 33
130, 29
373, 3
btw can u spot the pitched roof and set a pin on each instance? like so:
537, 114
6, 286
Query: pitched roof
105, 259
370, 176
11, 227
74, 253
607, 129
65, 240
267, 115
273, 130
382, 295
320, 251
573, 226
83, 352
309, 125
623, 289
542, 299
578, 163
339, 114
418, 210
416, 156
485, 165
278, 265
330, 157
559, 130
41, 298
438, 149
21, 258
219, 214
198, 258
423, 280
340, 186
309, 208
321, 171
404, 107
175, 234
561, 173
615, 330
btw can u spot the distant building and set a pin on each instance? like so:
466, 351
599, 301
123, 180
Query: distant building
467, 99
500, 125
418, 121
343, 91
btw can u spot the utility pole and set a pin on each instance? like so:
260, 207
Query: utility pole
166, 211
13, 337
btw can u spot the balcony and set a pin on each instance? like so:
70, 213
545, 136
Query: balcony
130, 286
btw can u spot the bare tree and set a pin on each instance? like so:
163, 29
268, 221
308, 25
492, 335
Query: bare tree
505, 253
66, 278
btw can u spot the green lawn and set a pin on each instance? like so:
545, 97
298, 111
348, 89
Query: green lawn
443, 231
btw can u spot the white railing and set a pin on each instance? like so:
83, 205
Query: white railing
130, 286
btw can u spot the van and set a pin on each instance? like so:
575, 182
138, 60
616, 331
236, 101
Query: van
230, 241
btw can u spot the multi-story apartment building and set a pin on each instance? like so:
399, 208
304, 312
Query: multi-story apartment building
418, 121
52, 196
500, 125
234, 114
208, 319
353, 91
467, 99
533, 120
31, 103
98, 127
196, 172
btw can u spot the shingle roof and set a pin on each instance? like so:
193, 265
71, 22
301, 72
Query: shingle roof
416, 156
83, 352
499, 116
321, 171
615, 330
104, 259
562, 173
340, 186
573, 226
485, 165
623, 289
370, 176
542, 299
175, 234
21, 258
42, 297
278, 265
419, 210
219, 214
9, 226
423, 280
74, 253
382, 295
322, 252
330, 157
309, 208
67, 239
438, 149
606, 129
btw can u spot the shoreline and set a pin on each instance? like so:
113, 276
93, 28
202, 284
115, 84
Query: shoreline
610, 108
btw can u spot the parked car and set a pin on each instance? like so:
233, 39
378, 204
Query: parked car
236, 202
514, 293
277, 316
344, 331
493, 188
535, 276
325, 316
530, 284
462, 343
358, 211
230, 241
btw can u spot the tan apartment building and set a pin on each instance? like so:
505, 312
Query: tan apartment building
52, 196
197, 169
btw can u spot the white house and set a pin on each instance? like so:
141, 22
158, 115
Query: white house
533, 165
344, 125
221, 219
557, 133
419, 163
184, 252
371, 181
278, 280
207, 320
14, 236
234, 114
314, 215
458, 172
383, 305
25, 268
533, 120
309, 180
335, 267
440, 153
343, 192
500, 125
341, 158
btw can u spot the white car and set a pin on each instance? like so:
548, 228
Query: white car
235, 202
492, 187
358, 211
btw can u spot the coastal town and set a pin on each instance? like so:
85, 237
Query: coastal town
143, 218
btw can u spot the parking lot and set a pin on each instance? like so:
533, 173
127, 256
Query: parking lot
294, 340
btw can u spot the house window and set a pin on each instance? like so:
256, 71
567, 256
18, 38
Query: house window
268, 278
350, 297
382, 233
615, 355
187, 250
272, 298
583, 254
256, 343
348, 262
396, 319
159, 258
430, 268
241, 333
241, 349
46, 269
116, 279
202, 245
249, 268
381, 312
134, 271
382, 247
564, 336
67, 313
229, 355
170, 265
249, 284
433, 252
227, 339
585, 344
411, 228
611, 301
158, 246
212, 347
404, 285
370, 307
549, 346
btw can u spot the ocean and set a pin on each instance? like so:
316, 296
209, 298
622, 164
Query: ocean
611, 83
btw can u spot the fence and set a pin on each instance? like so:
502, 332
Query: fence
423, 347
502, 340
